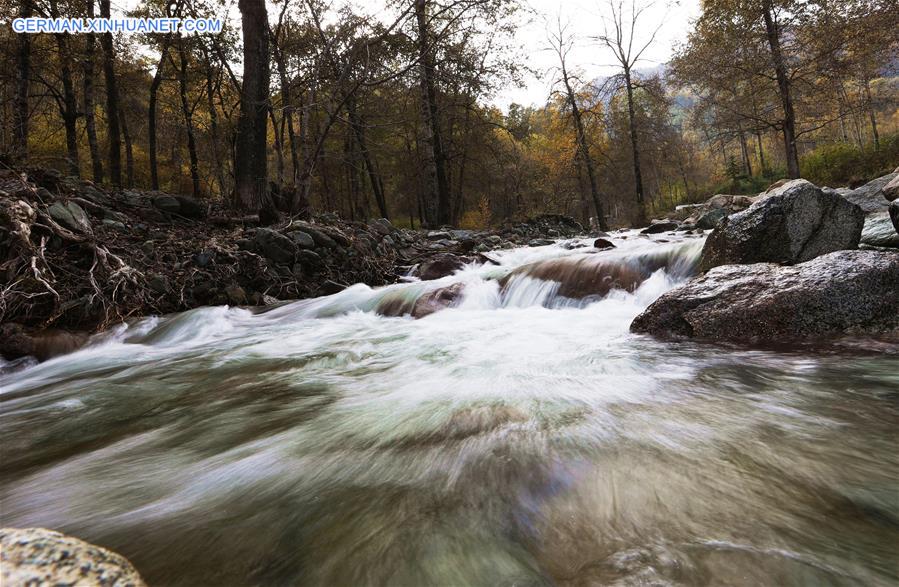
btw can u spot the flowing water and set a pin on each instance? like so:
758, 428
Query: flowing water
523, 437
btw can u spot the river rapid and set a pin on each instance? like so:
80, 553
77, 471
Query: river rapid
523, 437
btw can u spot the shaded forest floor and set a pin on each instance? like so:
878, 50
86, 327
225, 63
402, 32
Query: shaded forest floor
76, 256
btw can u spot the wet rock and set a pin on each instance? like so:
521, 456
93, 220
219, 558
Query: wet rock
70, 215
17, 341
275, 246
880, 232
36, 556
167, 203
437, 300
302, 239
440, 266
602, 243
540, 242
871, 197
659, 226
236, 295
844, 292
794, 223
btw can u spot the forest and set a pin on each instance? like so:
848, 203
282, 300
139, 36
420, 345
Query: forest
304, 107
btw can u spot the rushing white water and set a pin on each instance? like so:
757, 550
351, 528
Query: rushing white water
522, 436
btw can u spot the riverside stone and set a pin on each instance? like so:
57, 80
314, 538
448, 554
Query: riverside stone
794, 223
36, 556
843, 292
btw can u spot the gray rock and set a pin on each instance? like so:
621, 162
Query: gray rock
70, 215
203, 258
302, 239
435, 235
894, 214
870, 197
308, 258
275, 246
320, 238
440, 266
659, 226
36, 556
381, 225
879, 231
794, 223
891, 190
158, 283
494, 239
711, 218
191, 207
114, 224
844, 292
167, 203
540, 242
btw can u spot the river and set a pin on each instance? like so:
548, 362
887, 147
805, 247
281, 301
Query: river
520, 438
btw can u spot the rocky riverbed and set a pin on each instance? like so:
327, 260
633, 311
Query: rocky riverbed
80, 258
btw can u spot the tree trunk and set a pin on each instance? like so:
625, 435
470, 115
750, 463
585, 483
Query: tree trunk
758, 138
90, 122
377, 184
188, 120
783, 84
69, 107
23, 79
214, 128
129, 151
584, 149
112, 101
250, 164
287, 105
151, 113
744, 153
635, 149
279, 152
870, 107
437, 201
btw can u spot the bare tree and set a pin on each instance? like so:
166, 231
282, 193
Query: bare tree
250, 164
619, 32
112, 101
23, 78
561, 44
90, 123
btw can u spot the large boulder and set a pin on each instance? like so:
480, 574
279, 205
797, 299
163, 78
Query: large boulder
891, 190
845, 292
871, 197
36, 556
794, 223
879, 231
894, 214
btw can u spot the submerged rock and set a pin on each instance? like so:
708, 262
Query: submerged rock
36, 556
794, 223
844, 292
17, 341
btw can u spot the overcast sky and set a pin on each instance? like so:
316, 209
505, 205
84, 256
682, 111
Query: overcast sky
584, 19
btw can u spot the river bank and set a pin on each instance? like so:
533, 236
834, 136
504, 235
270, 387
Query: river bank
78, 258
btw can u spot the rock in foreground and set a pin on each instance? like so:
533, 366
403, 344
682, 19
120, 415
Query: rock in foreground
793, 223
35, 556
845, 292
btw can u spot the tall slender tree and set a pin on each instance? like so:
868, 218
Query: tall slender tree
112, 101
